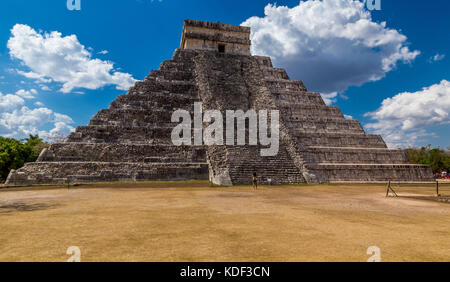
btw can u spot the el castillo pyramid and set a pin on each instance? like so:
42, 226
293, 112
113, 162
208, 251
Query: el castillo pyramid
131, 140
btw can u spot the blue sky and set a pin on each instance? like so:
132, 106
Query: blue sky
139, 35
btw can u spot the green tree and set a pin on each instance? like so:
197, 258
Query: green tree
14, 153
36, 144
436, 158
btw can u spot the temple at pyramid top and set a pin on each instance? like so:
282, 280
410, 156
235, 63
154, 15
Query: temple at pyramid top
224, 38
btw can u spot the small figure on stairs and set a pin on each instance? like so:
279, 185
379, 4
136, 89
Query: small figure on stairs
255, 181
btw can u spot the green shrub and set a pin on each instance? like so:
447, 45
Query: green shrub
14, 153
438, 159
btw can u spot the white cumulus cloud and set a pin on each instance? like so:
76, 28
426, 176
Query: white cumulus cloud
348, 117
9, 102
18, 121
329, 44
63, 59
23, 121
403, 119
32, 75
27, 94
44, 87
436, 58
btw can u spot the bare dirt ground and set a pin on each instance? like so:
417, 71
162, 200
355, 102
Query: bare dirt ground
190, 221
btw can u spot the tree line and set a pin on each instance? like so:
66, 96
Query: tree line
437, 158
15, 153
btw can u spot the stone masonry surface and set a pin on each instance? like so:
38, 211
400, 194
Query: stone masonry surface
131, 140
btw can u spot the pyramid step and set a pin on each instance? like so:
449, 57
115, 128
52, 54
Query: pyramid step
303, 111
137, 117
275, 73
328, 172
285, 84
60, 172
341, 140
118, 152
153, 99
171, 75
169, 65
321, 125
151, 85
298, 98
127, 134
350, 155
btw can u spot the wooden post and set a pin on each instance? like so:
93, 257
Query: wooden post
437, 188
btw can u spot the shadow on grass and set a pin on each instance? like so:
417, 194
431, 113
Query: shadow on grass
114, 184
21, 207
442, 199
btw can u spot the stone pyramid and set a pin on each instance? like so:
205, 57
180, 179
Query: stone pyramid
131, 140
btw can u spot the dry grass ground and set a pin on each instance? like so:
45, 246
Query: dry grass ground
191, 221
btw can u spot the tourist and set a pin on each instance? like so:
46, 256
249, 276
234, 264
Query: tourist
254, 181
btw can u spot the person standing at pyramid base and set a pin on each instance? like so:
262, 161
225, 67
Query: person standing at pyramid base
254, 181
